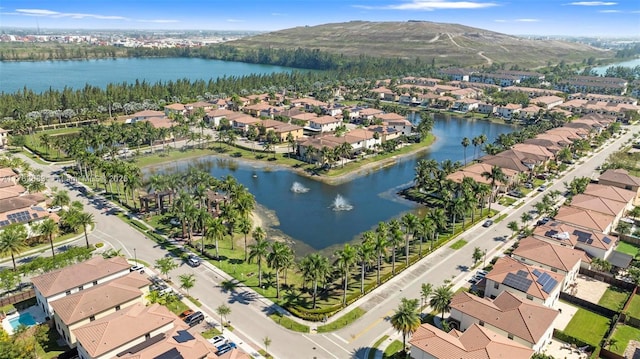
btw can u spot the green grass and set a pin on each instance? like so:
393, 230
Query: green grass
343, 321
51, 349
393, 349
507, 201
628, 248
500, 218
614, 298
634, 307
194, 301
458, 244
622, 335
289, 323
210, 333
177, 307
374, 349
587, 326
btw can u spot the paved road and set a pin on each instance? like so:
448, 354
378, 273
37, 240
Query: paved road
248, 308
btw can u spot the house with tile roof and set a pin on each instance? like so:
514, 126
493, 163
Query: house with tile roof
586, 218
602, 205
140, 332
476, 170
66, 281
611, 192
594, 243
213, 117
508, 111
537, 285
429, 342
522, 321
83, 307
620, 178
324, 123
558, 259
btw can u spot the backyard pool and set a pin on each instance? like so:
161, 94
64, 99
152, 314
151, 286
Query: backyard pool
25, 319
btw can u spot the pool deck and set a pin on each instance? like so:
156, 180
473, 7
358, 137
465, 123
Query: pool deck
35, 311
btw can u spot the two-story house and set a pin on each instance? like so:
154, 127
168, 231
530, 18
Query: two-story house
596, 244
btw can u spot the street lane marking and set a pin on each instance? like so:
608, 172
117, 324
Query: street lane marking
320, 346
370, 326
340, 338
336, 344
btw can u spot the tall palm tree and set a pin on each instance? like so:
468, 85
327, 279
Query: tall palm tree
60, 198
245, 226
259, 251
465, 143
345, 259
380, 246
365, 253
441, 298
49, 228
410, 222
315, 267
406, 319
13, 240
425, 292
277, 259
85, 220
495, 175
395, 240
215, 231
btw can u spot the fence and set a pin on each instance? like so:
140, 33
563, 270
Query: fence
588, 305
19, 297
604, 353
607, 278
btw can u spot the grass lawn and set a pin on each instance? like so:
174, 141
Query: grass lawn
289, 323
210, 333
506, 201
614, 298
177, 307
587, 326
628, 248
393, 349
342, 322
458, 244
374, 348
622, 335
634, 307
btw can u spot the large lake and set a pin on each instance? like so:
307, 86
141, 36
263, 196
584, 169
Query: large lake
601, 70
309, 218
40, 75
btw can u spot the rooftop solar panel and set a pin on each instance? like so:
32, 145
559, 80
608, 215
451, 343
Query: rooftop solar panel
606, 240
536, 273
548, 287
522, 273
516, 282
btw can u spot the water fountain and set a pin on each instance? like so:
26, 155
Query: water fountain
341, 204
297, 187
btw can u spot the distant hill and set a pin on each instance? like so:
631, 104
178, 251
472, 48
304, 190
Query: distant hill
447, 44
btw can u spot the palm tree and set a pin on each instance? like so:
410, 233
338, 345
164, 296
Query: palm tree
525, 218
426, 228
49, 228
259, 251
394, 240
513, 226
187, 281
13, 240
245, 227
365, 253
315, 267
60, 198
380, 246
410, 222
223, 310
441, 298
345, 259
277, 259
165, 265
85, 220
215, 231
495, 175
465, 143
426, 289
406, 319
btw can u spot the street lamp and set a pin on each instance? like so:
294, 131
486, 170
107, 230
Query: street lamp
135, 257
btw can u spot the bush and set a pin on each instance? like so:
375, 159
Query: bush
562, 336
99, 245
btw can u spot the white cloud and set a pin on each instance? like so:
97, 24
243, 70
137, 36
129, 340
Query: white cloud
593, 3
56, 14
235, 20
277, 14
160, 21
430, 5
527, 20
609, 11
501, 20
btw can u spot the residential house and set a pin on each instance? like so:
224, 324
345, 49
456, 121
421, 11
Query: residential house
205, 106
242, 123
548, 102
304, 117
540, 153
83, 307
134, 332
508, 111
397, 122
369, 113
456, 74
537, 285
465, 93
476, 170
486, 108
429, 342
593, 84
532, 92
324, 124
4, 138
522, 321
586, 218
66, 281
604, 98
606, 206
213, 117
385, 133
384, 94
558, 259
531, 111
594, 243
157, 119
613, 193
174, 108
466, 105
620, 178
507, 162
284, 129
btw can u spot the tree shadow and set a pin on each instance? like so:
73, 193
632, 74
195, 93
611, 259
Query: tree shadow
363, 353
462, 268
245, 297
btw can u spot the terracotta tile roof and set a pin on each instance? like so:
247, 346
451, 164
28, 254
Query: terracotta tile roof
96, 268
246, 120
584, 218
598, 204
198, 347
6, 173
21, 202
621, 176
391, 117
361, 133
175, 106
475, 343
117, 329
306, 116
506, 265
219, 113
286, 127
560, 257
147, 113
324, 120
97, 299
159, 121
370, 112
10, 190
610, 192
522, 318
505, 162
235, 354
536, 150
564, 233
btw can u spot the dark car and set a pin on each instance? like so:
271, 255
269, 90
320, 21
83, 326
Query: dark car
487, 223
225, 348
194, 319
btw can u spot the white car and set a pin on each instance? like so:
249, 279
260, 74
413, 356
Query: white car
218, 340
54, 209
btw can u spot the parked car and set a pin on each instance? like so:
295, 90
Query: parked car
528, 185
193, 260
542, 188
54, 209
482, 273
543, 221
186, 313
218, 340
194, 319
487, 223
515, 193
137, 268
227, 347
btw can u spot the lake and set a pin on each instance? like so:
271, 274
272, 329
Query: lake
601, 70
40, 75
310, 219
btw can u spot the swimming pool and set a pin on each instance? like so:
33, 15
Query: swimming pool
24, 319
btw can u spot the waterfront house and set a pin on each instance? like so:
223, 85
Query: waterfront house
508, 111
594, 243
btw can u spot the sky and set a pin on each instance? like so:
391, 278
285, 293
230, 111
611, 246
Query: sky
617, 18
